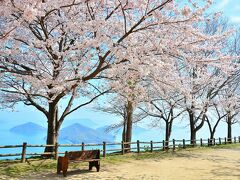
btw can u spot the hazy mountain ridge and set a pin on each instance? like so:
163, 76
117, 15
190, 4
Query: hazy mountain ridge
77, 133
28, 128
74, 134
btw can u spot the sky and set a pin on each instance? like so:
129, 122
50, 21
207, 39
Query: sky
230, 8
23, 114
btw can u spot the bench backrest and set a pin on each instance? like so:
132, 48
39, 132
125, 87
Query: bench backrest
83, 155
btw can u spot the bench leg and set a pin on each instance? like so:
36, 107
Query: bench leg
64, 166
90, 166
59, 165
98, 166
65, 173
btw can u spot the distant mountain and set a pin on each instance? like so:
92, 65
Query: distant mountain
28, 128
77, 133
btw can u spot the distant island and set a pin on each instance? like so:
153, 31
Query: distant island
77, 133
28, 128
73, 134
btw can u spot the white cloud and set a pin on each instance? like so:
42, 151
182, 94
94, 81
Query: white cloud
235, 19
222, 4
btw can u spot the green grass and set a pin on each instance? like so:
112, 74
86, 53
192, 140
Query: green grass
227, 146
13, 168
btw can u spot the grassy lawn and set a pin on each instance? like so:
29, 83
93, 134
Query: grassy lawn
14, 168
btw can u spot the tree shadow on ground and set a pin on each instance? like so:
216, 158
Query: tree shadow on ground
186, 155
225, 171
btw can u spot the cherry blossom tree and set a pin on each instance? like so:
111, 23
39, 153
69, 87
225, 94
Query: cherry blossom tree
225, 104
231, 92
214, 116
199, 84
52, 50
130, 90
193, 66
126, 114
205, 72
226, 107
227, 110
55, 51
162, 104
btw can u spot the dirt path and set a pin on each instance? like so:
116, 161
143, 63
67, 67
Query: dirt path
219, 164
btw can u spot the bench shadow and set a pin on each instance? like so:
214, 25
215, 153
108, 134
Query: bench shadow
76, 172
79, 171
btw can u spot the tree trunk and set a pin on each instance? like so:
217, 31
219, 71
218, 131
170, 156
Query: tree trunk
52, 131
211, 131
193, 136
129, 125
229, 129
170, 128
51, 139
167, 136
192, 127
124, 131
211, 137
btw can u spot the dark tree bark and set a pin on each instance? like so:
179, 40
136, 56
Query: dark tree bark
129, 124
194, 127
229, 127
52, 131
167, 135
168, 130
212, 128
124, 130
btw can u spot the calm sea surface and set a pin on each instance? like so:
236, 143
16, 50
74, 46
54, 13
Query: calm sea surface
9, 138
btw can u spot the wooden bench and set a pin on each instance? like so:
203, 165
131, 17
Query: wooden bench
91, 156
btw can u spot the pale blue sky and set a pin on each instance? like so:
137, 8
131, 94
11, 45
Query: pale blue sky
230, 8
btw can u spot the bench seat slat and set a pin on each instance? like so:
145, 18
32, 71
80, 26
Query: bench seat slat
81, 155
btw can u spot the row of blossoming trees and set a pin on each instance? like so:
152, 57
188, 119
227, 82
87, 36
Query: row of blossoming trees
156, 58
